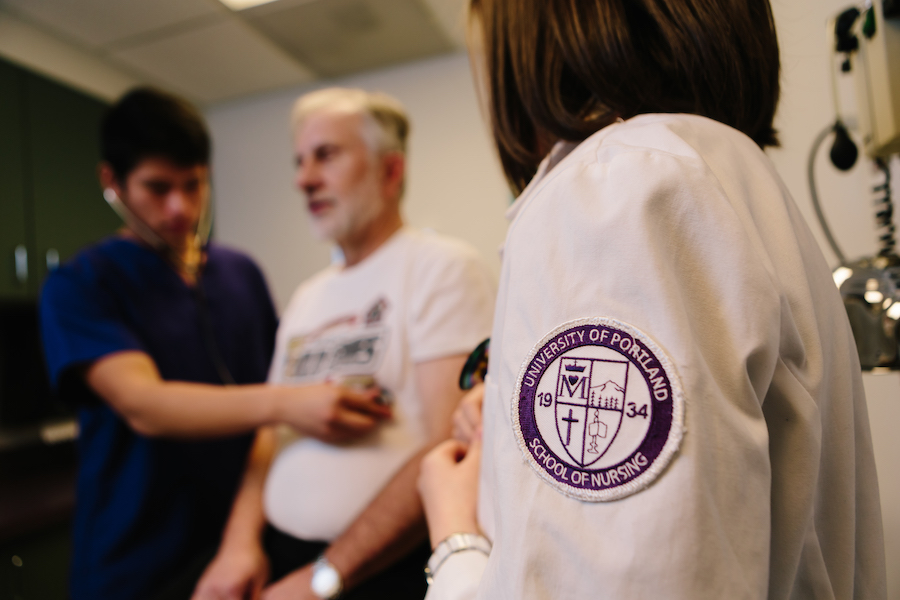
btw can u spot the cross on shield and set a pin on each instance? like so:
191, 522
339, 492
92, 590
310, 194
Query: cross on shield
589, 404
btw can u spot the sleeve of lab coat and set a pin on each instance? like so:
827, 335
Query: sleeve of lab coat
458, 577
649, 239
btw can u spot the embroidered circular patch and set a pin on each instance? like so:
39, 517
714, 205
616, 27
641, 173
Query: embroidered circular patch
600, 409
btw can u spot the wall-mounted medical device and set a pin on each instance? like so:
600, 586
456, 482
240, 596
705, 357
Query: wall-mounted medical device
877, 77
867, 38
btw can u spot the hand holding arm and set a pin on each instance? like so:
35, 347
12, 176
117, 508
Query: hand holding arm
448, 484
449, 487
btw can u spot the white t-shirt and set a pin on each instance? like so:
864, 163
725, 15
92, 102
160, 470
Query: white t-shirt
674, 406
419, 297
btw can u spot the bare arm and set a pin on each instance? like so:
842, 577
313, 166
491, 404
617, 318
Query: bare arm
240, 567
393, 523
130, 383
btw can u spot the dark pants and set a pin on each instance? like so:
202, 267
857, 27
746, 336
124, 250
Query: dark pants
404, 580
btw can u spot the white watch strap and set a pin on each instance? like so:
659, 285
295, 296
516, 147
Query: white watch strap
457, 542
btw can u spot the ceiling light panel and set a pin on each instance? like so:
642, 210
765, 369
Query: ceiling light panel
242, 4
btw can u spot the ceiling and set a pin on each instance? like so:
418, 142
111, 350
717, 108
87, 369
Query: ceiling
210, 53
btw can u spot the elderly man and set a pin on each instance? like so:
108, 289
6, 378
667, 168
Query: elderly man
400, 311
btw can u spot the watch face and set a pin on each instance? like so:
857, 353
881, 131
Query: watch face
326, 582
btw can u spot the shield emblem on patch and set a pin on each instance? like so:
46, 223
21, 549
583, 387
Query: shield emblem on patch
589, 402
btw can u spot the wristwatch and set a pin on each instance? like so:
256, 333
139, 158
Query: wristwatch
456, 542
326, 581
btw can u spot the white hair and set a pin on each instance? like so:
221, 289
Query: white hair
386, 125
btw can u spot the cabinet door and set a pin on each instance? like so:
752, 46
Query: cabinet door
63, 153
15, 229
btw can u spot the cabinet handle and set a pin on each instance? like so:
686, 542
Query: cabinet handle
21, 263
52, 259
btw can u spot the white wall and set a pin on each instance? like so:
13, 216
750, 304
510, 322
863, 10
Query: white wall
455, 186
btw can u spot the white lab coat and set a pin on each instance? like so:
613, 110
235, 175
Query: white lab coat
680, 227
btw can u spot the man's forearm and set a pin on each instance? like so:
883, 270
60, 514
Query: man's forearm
180, 409
390, 526
130, 383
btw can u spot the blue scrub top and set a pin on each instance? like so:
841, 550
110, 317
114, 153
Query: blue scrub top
147, 506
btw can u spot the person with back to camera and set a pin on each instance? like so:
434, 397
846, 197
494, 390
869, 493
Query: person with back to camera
674, 406
402, 308
141, 331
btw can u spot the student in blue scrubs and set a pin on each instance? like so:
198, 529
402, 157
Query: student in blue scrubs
163, 343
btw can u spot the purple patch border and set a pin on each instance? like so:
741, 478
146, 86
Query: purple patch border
646, 462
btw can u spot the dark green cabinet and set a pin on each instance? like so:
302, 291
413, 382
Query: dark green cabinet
16, 234
50, 201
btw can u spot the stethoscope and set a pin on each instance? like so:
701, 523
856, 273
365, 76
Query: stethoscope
152, 239
193, 269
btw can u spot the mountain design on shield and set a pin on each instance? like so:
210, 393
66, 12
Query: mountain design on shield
609, 395
589, 403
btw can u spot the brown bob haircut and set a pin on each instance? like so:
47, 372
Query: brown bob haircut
564, 69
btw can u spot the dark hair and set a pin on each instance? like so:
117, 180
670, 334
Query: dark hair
150, 123
563, 69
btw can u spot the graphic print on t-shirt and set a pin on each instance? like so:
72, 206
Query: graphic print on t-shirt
345, 346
